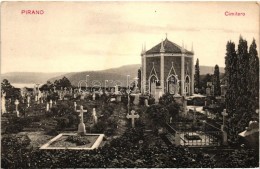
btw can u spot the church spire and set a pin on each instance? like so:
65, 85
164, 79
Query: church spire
144, 47
162, 50
192, 47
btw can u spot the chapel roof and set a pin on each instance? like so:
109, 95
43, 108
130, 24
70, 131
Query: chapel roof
169, 47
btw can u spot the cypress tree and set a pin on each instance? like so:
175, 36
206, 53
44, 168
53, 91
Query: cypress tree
197, 75
242, 102
253, 78
216, 81
139, 78
232, 87
231, 75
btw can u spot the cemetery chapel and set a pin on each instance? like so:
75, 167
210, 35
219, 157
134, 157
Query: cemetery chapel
167, 68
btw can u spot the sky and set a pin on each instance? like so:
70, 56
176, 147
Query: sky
81, 36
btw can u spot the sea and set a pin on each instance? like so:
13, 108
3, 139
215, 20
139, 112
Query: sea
22, 85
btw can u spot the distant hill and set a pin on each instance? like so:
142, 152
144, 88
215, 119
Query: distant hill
108, 74
119, 73
28, 77
210, 69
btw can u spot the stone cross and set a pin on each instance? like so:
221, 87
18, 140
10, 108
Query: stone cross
3, 103
50, 103
81, 126
132, 116
47, 107
54, 89
16, 107
75, 106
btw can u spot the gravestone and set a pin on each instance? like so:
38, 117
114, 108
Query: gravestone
75, 106
60, 95
81, 126
112, 90
94, 116
116, 90
47, 107
146, 102
101, 92
208, 91
118, 98
136, 100
82, 96
133, 117
3, 106
94, 96
50, 103
36, 98
28, 101
16, 107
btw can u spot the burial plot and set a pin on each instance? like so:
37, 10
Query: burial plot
76, 141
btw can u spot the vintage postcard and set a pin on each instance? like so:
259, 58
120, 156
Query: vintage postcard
130, 84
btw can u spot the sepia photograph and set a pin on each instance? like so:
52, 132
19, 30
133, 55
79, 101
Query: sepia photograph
130, 84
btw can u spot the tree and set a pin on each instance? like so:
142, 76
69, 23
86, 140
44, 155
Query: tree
11, 91
197, 76
253, 78
48, 86
62, 83
216, 81
206, 79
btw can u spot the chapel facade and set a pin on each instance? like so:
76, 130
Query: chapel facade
167, 68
